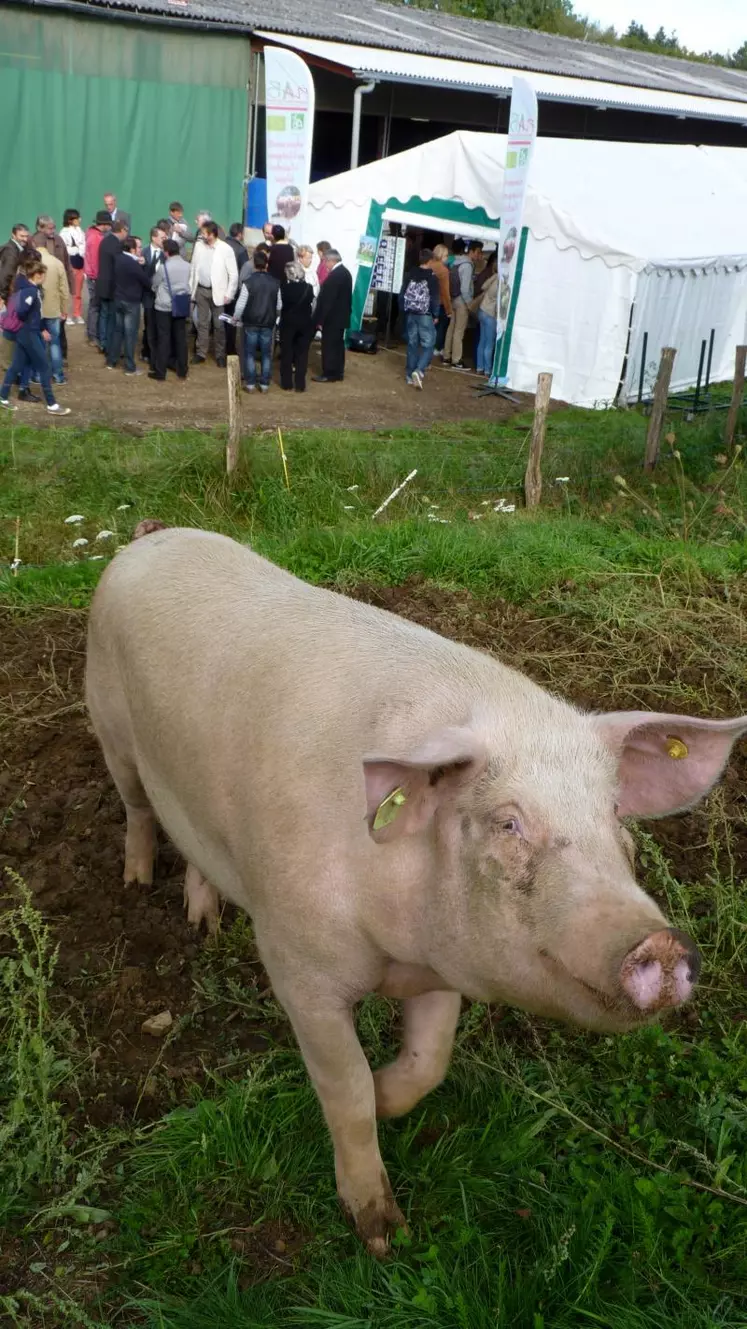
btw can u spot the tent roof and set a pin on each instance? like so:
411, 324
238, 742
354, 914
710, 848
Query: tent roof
627, 203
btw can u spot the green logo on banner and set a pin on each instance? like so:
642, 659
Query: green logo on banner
276, 122
511, 158
297, 121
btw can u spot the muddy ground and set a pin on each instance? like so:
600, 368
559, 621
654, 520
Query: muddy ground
373, 395
127, 954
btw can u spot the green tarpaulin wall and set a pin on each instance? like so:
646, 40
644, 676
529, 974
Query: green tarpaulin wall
95, 105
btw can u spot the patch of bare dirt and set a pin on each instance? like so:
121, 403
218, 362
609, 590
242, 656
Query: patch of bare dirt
373, 395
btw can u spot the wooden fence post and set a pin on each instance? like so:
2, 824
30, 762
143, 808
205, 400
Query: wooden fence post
736, 397
533, 477
233, 378
659, 408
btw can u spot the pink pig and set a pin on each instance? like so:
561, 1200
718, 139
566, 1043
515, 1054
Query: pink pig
398, 813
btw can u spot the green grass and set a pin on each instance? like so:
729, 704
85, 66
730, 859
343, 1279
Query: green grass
557, 1179
688, 518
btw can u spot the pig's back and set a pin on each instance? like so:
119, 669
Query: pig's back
251, 699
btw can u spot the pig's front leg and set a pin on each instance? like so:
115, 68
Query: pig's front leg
343, 1080
430, 1022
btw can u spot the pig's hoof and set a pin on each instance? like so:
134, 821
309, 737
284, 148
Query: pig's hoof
138, 875
201, 900
376, 1223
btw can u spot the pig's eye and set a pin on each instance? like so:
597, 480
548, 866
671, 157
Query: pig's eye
510, 826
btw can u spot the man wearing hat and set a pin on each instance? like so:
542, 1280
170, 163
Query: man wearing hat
94, 236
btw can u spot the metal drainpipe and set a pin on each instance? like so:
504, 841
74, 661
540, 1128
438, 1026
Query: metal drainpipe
358, 95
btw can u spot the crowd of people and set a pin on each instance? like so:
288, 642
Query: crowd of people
439, 294
185, 283
207, 286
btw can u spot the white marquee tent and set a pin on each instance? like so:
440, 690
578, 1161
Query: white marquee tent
611, 227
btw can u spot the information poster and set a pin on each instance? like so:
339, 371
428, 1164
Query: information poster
289, 97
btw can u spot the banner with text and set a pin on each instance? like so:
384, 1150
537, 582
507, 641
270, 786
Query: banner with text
289, 118
522, 132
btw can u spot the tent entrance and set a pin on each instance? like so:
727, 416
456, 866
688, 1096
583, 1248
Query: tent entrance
434, 214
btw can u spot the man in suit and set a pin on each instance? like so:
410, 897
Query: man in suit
117, 214
153, 255
333, 311
109, 249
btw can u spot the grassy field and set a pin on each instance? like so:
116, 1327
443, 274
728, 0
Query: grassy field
557, 1179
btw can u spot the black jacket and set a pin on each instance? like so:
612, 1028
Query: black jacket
296, 299
109, 248
10, 261
334, 306
131, 279
261, 308
277, 258
239, 251
153, 259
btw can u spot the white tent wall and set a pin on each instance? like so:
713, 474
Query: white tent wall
572, 322
678, 306
341, 226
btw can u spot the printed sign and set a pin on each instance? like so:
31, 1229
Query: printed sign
366, 251
389, 264
522, 133
289, 104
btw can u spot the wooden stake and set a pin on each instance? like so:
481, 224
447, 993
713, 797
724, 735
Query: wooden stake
533, 477
659, 408
283, 458
736, 397
234, 413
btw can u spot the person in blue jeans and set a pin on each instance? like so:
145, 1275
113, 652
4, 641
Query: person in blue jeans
487, 319
132, 277
420, 301
257, 309
30, 351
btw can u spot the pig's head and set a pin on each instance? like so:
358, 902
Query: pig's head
526, 868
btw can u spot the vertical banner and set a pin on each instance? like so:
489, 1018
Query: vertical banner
522, 132
289, 117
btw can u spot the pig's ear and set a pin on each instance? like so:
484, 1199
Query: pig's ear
403, 793
666, 762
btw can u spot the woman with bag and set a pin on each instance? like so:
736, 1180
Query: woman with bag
75, 243
23, 317
172, 304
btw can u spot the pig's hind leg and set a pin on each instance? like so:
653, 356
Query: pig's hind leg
140, 839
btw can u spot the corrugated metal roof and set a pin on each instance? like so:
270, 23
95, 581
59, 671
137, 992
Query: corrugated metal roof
378, 62
398, 27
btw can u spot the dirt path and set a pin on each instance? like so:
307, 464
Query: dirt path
373, 395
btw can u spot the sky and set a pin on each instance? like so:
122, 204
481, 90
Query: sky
701, 25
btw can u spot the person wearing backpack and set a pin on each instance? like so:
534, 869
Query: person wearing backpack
421, 299
461, 289
24, 313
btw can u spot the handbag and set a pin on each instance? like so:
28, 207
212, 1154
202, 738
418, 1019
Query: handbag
76, 261
9, 320
179, 303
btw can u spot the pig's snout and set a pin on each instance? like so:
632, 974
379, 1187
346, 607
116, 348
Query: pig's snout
661, 970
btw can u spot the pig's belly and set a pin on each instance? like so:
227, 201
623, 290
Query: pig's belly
195, 841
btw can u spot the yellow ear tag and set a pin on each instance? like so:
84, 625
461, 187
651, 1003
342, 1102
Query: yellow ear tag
676, 749
387, 811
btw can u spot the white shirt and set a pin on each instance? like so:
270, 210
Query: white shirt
205, 258
75, 240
